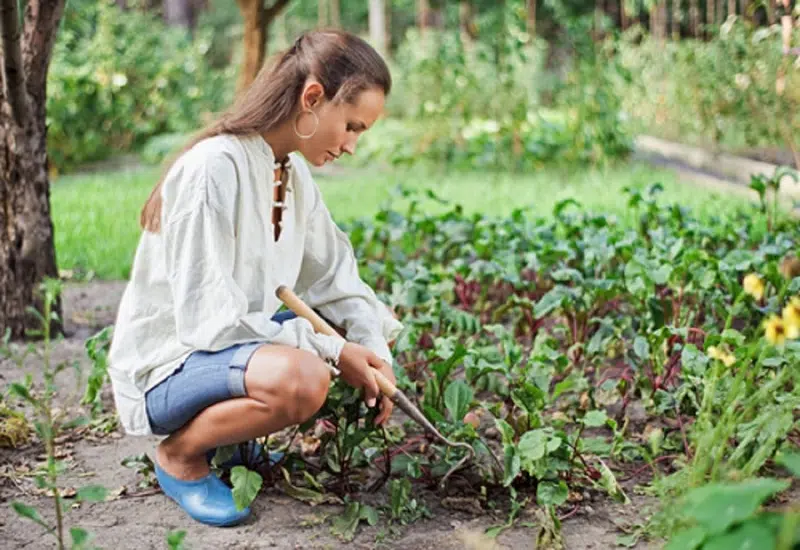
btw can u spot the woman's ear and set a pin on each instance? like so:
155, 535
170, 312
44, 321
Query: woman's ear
313, 95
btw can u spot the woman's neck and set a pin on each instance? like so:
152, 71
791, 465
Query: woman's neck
282, 141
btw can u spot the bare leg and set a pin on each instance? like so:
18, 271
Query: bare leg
285, 386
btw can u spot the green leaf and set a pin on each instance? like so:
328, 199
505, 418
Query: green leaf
246, 485
224, 454
21, 391
549, 302
595, 419
641, 348
304, 494
717, 506
175, 539
344, 526
752, 535
628, 541
506, 431
532, 446
608, 481
91, 493
79, 536
368, 514
511, 466
29, 512
457, 398
790, 461
552, 493
689, 539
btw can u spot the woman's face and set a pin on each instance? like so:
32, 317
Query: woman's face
340, 124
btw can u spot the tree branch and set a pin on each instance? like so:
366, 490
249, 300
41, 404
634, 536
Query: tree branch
12, 70
275, 9
41, 26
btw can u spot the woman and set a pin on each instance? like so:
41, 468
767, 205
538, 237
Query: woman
197, 354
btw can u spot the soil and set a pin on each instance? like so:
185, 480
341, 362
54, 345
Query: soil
139, 518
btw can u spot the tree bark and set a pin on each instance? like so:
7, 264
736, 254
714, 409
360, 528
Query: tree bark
731, 7
676, 20
466, 22
711, 18
377, 24
599, 10
720, 10
531, 19
694, 18
658, 20
27, 251
428, 17
336, 14
322, 13
623, 16
257, 20
180, 13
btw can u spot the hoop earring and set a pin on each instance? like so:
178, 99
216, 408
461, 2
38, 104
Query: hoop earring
316, 125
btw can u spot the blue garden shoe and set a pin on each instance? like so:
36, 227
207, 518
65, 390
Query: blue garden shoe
207, 500
253, 451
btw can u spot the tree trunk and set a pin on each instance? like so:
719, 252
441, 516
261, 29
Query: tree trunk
658, 20
694, 18
531, 17
254, 37
770, 12
257, 20
428, 17
623, 16
720, 10
422, 14
676, 20
377, 25
336, 14
466, 22
599, 10
711, 18
322, 13
180, 13
27, 251
731, 7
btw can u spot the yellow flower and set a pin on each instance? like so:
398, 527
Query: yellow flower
754, 285
721, 355
791, 316
777, 332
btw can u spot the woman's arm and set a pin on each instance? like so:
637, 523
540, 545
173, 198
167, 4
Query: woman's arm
329, 282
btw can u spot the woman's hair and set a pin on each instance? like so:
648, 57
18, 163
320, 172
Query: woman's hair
344, 64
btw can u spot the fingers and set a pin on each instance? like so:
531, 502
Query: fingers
386, 411
374, 361
371, 390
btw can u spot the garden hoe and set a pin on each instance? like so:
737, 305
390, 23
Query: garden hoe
294, 303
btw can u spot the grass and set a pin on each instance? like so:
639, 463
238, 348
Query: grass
96, 216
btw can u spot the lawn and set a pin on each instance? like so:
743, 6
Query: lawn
96, 216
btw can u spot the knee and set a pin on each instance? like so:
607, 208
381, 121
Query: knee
290, 382
306, 388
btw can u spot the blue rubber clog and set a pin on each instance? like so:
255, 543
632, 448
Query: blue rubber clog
207, 500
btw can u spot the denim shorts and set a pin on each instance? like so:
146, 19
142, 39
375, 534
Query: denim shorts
203, 379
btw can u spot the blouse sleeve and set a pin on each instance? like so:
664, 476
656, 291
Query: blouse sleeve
330, 282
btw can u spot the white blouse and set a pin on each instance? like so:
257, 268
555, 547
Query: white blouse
207, 280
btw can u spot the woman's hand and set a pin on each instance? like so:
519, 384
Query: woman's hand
356, 363
386, 404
